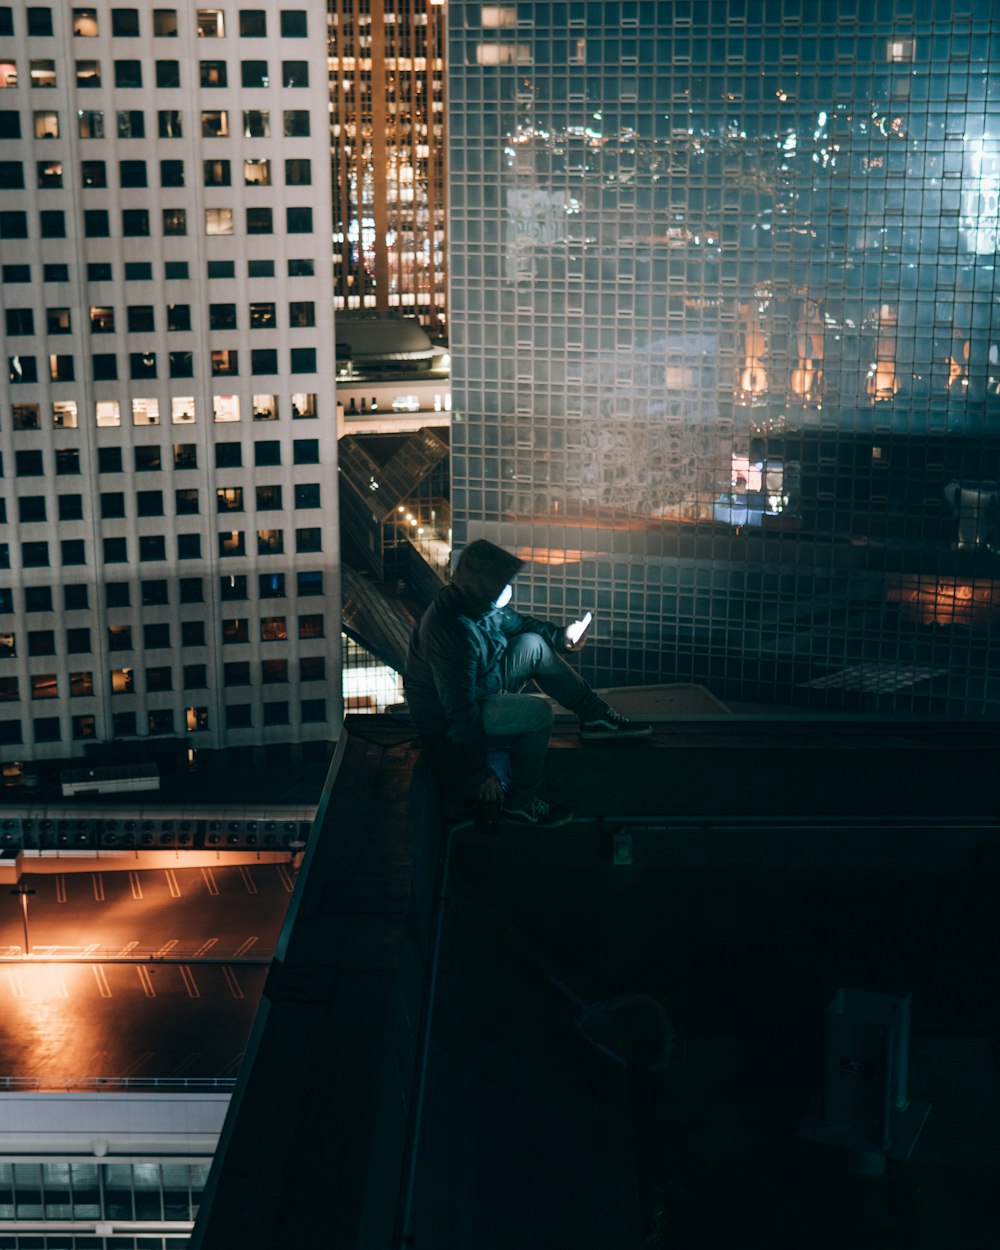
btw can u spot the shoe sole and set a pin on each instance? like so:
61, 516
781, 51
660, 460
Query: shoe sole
605, 735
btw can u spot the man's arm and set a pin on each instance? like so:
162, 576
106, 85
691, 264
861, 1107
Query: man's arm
454, 664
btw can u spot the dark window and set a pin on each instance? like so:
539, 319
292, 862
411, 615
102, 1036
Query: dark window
260, 268
222, 269
222, 316
169, 124
295, 73
238, 716
105, 366
46, 729
309, 539
70, 507
236, 673
10, 124
178, 317
259, 221
115, 550
301, 313
181, 364
305, 451
253, 24
303, 359
100, 271
149, 503
52, 223
109, 460
31, 508
186, 501
294, 23
301, 268
123, 724
307, 495
141, 318
156, 635
39, 21
254, 74
276, 713
75, 597
135, 223
142, 364
93, 174
228, 455
28, 463
154, 591
20, 321
190, 590
22, 369
313, 710
152, 547
12, 175
311, 626
171, 173
13, 225
195, 676
148, 459
174, 221
128, 74
38, 599
188, 546
309, 582
267, 452
55, 273
274, 672
61, 368
175, 269
299, 220
233, 587
116, 594
160, 677
125, 23
213, 73
161, 722
72, 551
41, 642
132, 173
264, 360
185, 455
96, 223
270, 585
268, 498
90, 123
168, 73
296, 123
192, 633
35, 555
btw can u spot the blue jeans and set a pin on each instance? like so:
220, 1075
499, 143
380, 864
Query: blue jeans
520, 725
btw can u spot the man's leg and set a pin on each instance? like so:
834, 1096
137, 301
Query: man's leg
524, 724
530, 658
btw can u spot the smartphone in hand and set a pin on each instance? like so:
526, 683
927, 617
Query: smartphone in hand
575, 632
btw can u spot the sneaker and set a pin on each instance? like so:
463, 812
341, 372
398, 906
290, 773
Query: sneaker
538, 813
610, 724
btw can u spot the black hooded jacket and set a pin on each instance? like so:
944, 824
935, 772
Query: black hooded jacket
457, 646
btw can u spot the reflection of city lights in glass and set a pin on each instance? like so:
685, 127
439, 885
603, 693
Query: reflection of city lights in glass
981, 200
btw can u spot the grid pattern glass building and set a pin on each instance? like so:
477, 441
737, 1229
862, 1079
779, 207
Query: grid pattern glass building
168, 558
387, 100
726, 338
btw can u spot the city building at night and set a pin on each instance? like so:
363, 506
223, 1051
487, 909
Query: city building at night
725, 337
167, 410
387, 115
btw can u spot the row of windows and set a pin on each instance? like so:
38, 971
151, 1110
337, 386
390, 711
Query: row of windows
141, 318
157, 636
155, 592
126, 23
142, 270
49, 174
33, 509
125, 724
152, 459
225, 362
159, 678
146, 410
88, 74
136, 222
131, 124
153, 547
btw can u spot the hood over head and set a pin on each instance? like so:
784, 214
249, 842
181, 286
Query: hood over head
482, 571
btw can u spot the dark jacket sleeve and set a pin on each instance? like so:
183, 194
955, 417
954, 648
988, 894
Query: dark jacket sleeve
513, 623
454, 662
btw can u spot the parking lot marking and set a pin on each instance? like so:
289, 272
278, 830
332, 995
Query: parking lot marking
185, 1064
60, 887
190, 984
128, 947
167, 948
137, 1063
98, 881
286, 878
204, 948
248, 881
135, 883
210, 881
16, 984
145, 982
242, 950
103, 988
234, 986
233, 1066
172, 885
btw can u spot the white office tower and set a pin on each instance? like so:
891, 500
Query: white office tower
169, 556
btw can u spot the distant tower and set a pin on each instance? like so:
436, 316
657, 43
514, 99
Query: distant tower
387, 120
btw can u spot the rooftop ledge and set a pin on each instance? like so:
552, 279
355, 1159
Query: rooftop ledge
587, 1035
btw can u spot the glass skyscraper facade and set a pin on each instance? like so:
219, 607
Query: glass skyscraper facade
726, 338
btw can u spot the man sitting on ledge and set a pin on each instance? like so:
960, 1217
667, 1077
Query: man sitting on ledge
470, 656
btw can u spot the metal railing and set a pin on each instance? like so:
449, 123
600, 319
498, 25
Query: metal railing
113, 1084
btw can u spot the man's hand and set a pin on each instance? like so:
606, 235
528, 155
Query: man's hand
575, 634
489, 790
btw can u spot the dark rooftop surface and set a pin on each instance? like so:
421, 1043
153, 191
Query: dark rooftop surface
620, 1054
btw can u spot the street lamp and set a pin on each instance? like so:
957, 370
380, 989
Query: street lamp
24, 891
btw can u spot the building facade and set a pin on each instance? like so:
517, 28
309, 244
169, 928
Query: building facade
725, 336
387, 102
168, 408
